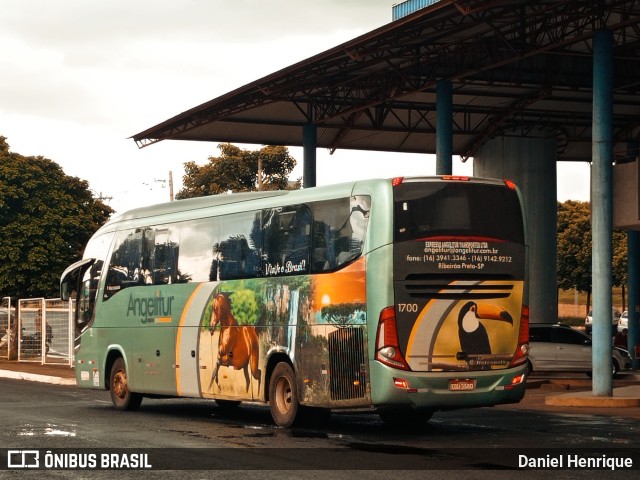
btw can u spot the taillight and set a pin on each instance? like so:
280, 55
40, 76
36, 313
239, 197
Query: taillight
455, 178
515, 381
510, 184
387, 344
397, 181
523, 338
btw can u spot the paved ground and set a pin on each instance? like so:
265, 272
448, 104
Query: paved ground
552, 393
573, 395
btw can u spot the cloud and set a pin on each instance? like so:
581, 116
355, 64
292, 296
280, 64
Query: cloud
94, 61
78, 77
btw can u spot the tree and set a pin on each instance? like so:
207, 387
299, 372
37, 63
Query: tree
46, 218
620, 254
574, 249
239, 170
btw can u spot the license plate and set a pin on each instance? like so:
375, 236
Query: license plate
459, 384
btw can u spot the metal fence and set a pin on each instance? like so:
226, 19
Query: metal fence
45, 333
6, 319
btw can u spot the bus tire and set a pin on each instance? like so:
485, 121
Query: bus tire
121, 396
283, 395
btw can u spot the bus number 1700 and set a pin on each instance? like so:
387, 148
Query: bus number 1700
408, 307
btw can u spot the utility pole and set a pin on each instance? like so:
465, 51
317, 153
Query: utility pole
102, 198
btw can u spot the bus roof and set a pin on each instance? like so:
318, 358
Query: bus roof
308, 194
214, 201
195, 204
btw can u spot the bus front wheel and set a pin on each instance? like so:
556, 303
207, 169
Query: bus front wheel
121, 396
283, 395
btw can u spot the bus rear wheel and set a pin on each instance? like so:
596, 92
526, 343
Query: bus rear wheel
121, 396
283, 395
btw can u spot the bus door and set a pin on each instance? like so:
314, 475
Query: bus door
141, 268
155, 355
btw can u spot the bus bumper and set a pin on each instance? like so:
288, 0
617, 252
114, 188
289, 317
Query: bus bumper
446, 390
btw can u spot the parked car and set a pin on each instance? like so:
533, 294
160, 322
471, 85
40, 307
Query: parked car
588, 321
560, 348
623, 322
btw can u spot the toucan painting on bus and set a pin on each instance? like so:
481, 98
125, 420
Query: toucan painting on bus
472, 333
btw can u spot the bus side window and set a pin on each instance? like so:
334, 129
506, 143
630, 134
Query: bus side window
321, 243
237, 253
339, 229
126, 261
163, 256
287, 240
197, 260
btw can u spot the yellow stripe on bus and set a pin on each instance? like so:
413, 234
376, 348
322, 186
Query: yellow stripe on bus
183, 317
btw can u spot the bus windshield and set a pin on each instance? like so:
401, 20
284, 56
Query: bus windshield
457, 209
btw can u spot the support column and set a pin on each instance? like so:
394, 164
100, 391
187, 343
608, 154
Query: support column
633, 273
633, 269
601, 211
444, 127
309, 146
528, 157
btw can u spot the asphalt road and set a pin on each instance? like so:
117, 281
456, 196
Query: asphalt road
185, 435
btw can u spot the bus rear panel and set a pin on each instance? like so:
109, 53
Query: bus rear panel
458, 331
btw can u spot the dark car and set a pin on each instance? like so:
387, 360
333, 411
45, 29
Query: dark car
560, 348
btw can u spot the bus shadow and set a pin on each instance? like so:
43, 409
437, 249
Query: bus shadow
255, 421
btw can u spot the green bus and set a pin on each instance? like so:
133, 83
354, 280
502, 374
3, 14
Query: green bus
399, 296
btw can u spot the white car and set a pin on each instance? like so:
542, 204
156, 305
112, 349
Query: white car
560, 348
588, 321
623, 322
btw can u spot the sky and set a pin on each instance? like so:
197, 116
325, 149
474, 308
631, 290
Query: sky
78, 78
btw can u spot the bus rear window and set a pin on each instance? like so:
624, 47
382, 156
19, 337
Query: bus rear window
450, 209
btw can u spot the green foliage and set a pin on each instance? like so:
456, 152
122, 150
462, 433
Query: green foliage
46, 218
620, 273
574, 248
245, 307
344, 314
237, 170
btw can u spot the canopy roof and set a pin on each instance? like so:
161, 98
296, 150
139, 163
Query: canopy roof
524, 64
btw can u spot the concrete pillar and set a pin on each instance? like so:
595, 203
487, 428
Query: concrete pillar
529, 159
601, 211
633, 269
633, 273
444, 127
309, 146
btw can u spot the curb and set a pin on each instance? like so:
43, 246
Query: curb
622, 398
34, 377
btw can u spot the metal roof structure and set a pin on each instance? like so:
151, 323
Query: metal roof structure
511, 63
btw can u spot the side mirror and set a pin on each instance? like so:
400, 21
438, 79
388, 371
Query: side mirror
71, 276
